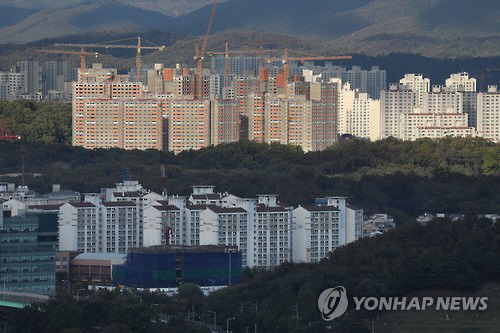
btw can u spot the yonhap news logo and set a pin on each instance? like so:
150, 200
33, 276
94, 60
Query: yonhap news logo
333, 303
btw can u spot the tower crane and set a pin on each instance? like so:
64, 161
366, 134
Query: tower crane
82, 54
139, 47
286, 59
200, 54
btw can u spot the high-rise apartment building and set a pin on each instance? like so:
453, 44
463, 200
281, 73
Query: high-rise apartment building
34, 77
358, 114
110, 112
418, 84
393, 104
488, 114
79, 227
188, 125
225, 121
461, 82
324, 97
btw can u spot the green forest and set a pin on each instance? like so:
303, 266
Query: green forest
48, 122
402, 178
458, 256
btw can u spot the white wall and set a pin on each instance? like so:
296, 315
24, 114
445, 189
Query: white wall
209, 228
152, 228
301, 235
16, 207
68, 228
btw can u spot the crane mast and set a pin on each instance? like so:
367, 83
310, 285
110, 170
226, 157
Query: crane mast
138, 47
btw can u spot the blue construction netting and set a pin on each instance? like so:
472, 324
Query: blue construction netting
158, 270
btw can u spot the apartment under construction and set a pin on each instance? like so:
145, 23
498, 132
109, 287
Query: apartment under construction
170, 266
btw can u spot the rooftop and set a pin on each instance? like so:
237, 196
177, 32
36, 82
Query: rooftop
119, 204
45, 207
101, 256
81, 204
217, 209
321, 208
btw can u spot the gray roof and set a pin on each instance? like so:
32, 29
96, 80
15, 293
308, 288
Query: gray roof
208, 196
271, 209
321, 208
101, 256
166, 207
81, 204
119, 204
218, 209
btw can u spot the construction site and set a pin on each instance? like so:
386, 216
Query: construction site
171, 266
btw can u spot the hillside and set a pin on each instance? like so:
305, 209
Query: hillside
180, 50
404, 179
109, 16
168, 7
444, 258
438, 28
430, 27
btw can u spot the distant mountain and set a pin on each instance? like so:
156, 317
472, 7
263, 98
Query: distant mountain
436, 27
451, 28
169, 7
11, 15
88, 16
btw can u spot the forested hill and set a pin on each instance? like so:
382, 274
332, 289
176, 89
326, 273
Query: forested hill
444, 258
400, 178
444, 255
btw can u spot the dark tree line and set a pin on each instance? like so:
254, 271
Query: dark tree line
401, 178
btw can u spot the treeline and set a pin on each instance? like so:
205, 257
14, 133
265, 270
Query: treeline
48, 122
447, 255
444, 255
400, 178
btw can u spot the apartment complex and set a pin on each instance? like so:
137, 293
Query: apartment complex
265, 231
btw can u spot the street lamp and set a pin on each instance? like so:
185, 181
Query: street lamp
215, 318
227, 324
78, 294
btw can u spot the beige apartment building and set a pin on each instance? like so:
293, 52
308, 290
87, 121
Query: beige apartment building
188, 125
110, 112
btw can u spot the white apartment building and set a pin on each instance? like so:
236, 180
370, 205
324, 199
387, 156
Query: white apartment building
272, 237
359, 115
352, 215
488, 114
393, 104
440, 115
13, 84
193, 223
162, 222
79, 227
418, 84
225, 226
418, 125
315, 232
442, 100
120, 227
461, 82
